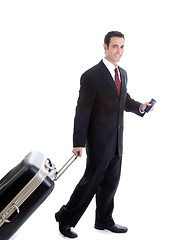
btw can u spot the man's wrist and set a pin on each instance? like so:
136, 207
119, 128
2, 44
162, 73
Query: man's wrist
142, 112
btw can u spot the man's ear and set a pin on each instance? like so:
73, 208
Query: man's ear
105, 47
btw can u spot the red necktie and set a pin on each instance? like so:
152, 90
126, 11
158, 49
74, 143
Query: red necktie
117, 80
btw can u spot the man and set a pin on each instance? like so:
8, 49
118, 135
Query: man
98, 125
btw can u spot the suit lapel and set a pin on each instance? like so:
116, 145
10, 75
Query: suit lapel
123, 82
107, 77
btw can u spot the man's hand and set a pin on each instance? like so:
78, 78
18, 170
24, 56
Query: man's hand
77, 149
143, 106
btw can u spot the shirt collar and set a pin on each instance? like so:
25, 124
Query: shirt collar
110, 67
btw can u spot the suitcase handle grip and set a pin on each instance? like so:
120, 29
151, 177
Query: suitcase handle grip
3, 218
66, 166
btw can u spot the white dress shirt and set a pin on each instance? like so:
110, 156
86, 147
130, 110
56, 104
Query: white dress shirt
111, 68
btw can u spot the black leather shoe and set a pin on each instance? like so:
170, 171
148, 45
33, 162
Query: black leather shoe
66, 231
114, 228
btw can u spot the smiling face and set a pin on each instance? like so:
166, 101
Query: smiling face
114, 51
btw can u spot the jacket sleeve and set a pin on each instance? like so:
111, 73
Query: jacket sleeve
85, 103
132, 106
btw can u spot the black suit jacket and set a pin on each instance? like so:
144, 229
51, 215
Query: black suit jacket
99, 113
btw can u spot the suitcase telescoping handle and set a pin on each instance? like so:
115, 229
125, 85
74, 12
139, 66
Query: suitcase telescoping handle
66, 166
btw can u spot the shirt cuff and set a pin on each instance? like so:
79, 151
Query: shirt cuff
142, 112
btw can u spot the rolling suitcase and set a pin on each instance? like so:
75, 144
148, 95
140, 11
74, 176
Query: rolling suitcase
24, 188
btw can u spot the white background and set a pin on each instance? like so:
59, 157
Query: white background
44, 48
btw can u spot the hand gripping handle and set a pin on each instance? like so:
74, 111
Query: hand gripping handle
66, 166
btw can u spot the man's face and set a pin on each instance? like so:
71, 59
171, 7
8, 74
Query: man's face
114, 51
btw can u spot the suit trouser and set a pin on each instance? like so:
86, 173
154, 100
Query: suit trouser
100, 178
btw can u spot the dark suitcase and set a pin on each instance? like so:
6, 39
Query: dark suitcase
24, 188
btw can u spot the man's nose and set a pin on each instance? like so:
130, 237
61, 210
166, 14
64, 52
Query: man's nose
118, 50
